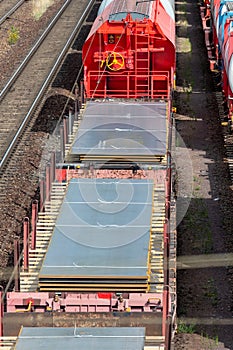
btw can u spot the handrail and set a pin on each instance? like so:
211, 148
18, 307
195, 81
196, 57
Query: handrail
119, 74
131, 89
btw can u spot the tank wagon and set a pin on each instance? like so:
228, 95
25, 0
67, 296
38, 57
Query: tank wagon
218, 16
102, 248
130, 51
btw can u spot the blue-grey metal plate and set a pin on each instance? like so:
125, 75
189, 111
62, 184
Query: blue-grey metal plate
103, 230
122, 129
32, 338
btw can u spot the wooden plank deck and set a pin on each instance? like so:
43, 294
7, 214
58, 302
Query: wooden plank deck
44, 230
156, 273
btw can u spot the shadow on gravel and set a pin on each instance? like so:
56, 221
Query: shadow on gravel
205, 296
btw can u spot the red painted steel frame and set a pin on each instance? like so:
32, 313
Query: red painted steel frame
86, 302
130, 58
34, 219
16, 265
1, 313
26, 243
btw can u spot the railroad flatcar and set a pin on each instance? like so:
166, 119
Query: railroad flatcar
222, 32
105, 242
130, 51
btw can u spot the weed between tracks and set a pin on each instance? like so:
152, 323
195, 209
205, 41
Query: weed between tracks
185, 328
13, 35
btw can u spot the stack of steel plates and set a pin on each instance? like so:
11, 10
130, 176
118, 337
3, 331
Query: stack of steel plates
114, 338
126, 131
101, 238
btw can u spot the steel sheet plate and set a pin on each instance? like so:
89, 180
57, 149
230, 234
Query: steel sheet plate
130, 338
102, 231
122, 129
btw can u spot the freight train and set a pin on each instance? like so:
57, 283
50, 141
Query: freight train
217, 18
103, 246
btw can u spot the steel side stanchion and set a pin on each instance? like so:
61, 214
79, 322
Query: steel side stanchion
165, 309
34, 220
166, 252
1, 313
70, 126
168, 334
62, 143
82, 92
16, 265
52, 167
76, 103
47, 182
26, 244
42, 196
65, 130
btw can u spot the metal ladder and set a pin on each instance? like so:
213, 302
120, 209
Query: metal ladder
142, 61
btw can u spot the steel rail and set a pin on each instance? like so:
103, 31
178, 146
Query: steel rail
12, 10
46, 84
32, 51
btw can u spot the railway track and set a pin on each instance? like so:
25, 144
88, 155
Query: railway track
7, 8
20, 104
22, 94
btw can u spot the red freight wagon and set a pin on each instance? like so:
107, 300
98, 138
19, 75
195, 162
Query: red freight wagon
130, 51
